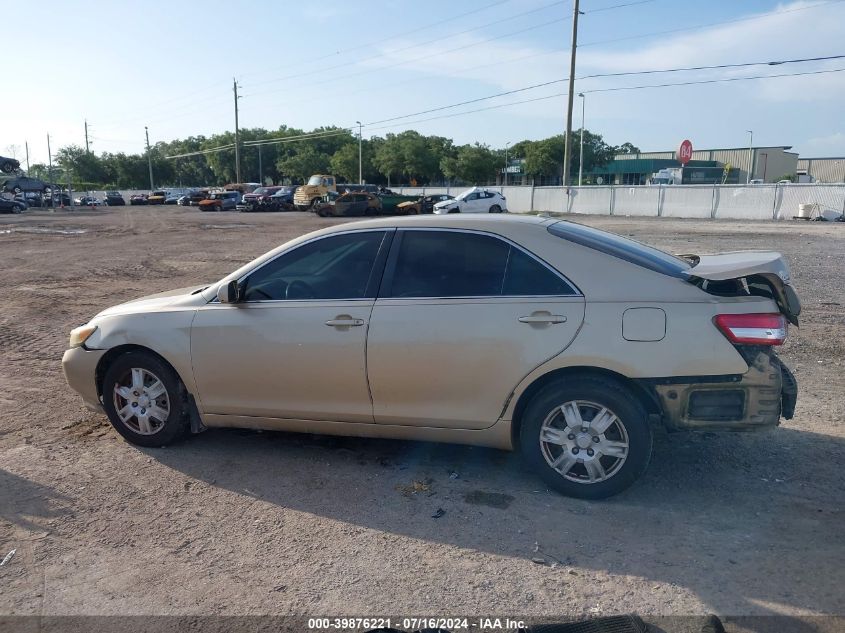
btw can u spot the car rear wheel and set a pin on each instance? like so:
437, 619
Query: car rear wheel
495, 209
586, 437
145, 401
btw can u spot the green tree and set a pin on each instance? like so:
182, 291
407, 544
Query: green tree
344, 162
475, 164
304, 163
627, 148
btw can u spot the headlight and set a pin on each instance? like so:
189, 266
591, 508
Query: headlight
81, 334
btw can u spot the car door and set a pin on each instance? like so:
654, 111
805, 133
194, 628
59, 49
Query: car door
294, 345
470, 203
462, 317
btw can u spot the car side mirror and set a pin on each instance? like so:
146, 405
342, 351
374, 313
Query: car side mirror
228, 293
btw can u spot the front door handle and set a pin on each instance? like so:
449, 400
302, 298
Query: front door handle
543, 318
344, 322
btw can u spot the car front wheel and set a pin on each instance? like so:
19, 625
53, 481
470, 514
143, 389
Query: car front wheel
145, 401
586, 437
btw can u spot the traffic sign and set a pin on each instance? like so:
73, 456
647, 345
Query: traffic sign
685, 152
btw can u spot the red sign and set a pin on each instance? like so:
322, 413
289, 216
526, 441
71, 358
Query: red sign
685, 152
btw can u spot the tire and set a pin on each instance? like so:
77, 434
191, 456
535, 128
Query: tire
627, 437
495, 209
172, 404
17, 190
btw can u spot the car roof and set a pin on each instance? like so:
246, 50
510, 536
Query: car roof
468, 221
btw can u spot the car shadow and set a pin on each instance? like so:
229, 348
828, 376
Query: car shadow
732, 517
25, 504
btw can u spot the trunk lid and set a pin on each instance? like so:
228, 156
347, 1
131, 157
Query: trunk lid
763, 273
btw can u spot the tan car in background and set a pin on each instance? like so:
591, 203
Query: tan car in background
562, 341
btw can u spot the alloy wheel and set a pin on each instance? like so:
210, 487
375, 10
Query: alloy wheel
584, 442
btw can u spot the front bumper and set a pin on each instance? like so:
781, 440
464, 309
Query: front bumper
80, 368
756, 399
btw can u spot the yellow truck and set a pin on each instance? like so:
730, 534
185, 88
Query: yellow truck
314, 191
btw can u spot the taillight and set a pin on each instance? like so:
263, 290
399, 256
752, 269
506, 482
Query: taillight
752, 329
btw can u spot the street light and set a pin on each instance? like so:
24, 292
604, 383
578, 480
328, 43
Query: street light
581, 158
750, 156
360, 163
506, 162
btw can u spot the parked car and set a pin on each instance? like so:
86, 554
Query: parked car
11, 206
195, 197
282, 199
172, 198
87, 201
184, 201
348, 204
29, 198
9, 165
475, 200
61, 199
114, 199
221, 201
157, 197
469, 329
21, 184
137, 198
425, 204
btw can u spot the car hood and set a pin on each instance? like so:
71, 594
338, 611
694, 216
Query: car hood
768, 266
162, 300
446, 203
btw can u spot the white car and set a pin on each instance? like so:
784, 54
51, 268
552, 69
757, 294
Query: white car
475, 200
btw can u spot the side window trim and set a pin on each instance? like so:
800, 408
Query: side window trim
393, 258
373, 283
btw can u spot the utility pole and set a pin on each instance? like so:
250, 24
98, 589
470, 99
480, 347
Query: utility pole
360, 154
149, 157
750, 156
87, 151
506, 162
260, 168
50, 173
237, 134
26, 144
581, 157
567, 148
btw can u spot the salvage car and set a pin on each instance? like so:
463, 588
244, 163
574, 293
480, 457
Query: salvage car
114, 199
424, 204
12, 206
137, 198
564, 342
348, 204
157, 197
87, 201
250, 201
24, 183
220, 201
195, 197
475, 200
9, 165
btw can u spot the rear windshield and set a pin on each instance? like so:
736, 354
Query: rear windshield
626, 249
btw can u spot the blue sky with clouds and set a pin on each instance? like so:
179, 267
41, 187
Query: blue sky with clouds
169, 65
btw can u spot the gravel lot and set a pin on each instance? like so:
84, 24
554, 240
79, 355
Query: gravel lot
236, 522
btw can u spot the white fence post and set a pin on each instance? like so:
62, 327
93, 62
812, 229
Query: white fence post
714, 201
612, 200
532, 197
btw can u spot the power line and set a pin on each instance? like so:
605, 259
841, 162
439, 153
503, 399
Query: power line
704, 26
619, 6
428, 42
397, 35
416, 59
715, 67
715, 81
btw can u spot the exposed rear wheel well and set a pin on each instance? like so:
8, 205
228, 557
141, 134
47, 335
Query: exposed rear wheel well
646, 398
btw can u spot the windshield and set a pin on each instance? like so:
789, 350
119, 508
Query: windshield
261, 191
315, 180
462, 196
622, 247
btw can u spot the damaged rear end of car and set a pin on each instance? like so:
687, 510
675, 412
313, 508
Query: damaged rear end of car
767, 391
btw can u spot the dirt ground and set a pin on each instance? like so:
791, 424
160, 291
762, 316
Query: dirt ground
236, 522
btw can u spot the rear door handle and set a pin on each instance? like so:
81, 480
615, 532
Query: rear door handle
543, 318
344, 322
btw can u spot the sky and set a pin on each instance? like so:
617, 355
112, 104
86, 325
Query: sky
171, 65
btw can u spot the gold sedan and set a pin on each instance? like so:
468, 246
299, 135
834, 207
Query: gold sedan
562, 341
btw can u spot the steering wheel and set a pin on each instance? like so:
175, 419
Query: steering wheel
298, 289
259, 291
